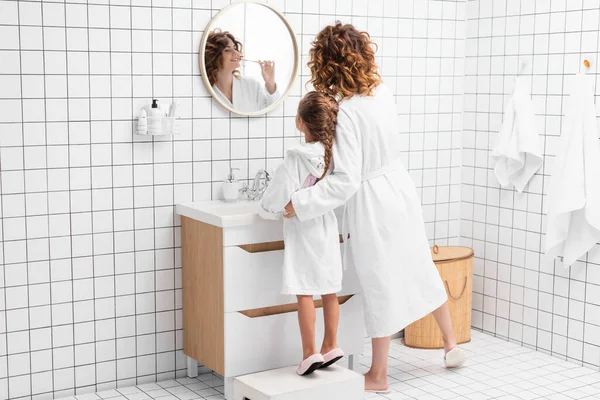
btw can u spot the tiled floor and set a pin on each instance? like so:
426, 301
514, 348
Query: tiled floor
496, 370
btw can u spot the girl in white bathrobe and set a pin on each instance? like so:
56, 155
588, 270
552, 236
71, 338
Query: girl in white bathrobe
312, 259
387, 243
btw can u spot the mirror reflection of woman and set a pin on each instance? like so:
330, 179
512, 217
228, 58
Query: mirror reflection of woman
223, 56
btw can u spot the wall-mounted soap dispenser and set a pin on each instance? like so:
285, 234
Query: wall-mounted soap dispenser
156, 120
231, 187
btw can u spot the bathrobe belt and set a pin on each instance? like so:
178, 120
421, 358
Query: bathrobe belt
381, 171
365, 177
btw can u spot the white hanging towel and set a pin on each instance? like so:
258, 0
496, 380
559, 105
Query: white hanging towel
574, 189
517, 151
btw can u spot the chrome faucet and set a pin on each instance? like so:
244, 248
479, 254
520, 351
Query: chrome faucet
258, 187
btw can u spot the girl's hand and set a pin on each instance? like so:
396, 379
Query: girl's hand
289, 210
267, 69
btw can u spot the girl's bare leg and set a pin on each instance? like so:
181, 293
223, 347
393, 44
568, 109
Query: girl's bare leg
306, 320
331, 314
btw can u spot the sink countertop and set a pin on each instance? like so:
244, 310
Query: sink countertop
220, 213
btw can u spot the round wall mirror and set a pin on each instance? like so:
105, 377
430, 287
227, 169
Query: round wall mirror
249, 58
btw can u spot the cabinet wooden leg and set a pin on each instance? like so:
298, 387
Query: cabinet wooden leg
192, 367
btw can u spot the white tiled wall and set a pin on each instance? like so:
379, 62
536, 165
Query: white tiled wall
519, 293
429, 85
90, 276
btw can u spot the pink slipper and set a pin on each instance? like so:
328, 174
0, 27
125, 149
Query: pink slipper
309, 365
331, 357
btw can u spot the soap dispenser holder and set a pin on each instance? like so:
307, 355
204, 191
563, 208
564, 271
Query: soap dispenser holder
157, 120
231, 187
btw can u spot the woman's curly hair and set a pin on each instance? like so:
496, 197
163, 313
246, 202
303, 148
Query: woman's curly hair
342, 62
213, 57
319, 112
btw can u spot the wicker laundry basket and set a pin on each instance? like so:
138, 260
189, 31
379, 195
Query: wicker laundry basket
455, 265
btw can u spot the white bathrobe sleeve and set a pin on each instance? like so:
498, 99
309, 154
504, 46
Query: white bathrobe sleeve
254, 95
280, 189
336, 188
249, 95
264, 98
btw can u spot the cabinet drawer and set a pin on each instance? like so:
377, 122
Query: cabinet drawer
261, 230
253, 277
273, 341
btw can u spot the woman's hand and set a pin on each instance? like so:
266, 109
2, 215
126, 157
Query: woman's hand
289, 210
267, 69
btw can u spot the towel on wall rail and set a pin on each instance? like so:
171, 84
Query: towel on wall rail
574, 188
517, 151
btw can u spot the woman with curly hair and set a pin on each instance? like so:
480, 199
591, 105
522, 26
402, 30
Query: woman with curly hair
383, 223
223, 54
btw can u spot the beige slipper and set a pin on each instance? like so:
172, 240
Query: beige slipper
455, 358
386, 391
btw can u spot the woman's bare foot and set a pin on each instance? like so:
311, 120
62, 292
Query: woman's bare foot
375, 382
449, 345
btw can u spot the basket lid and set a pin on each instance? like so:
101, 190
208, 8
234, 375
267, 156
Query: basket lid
450, 253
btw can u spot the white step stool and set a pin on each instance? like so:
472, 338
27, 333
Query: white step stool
331, 383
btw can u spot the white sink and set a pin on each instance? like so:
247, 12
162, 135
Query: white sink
220, 213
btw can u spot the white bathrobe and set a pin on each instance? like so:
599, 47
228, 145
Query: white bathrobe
574, 189
517, 152
312, 259
248, 95
388, 246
